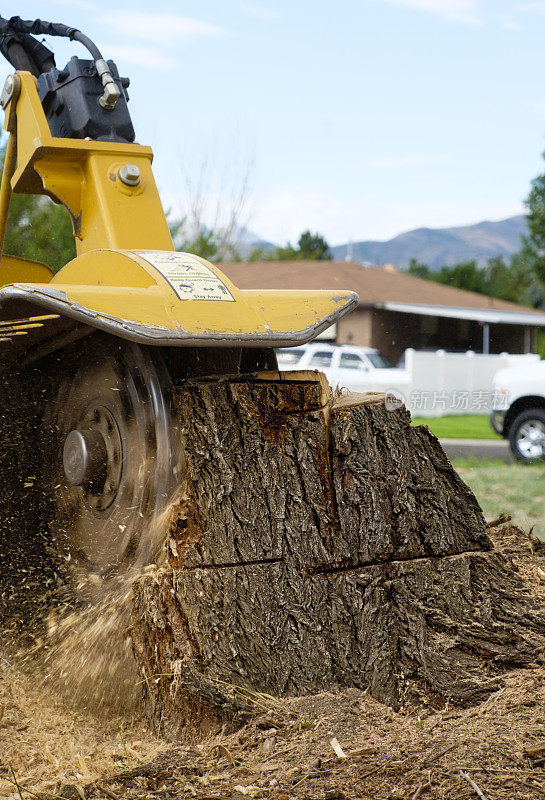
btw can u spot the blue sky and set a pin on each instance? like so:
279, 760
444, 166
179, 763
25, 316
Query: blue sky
356, 118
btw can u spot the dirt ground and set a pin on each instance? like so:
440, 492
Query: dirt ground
332, 745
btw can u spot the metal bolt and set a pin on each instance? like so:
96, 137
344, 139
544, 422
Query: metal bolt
129, 174
7, 91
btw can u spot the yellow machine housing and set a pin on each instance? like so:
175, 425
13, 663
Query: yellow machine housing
127, 278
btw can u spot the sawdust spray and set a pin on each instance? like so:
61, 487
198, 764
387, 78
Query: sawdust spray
84, 650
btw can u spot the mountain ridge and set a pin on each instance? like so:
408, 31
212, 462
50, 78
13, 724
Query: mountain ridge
439, 247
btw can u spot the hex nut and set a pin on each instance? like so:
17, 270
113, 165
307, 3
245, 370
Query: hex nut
129, 174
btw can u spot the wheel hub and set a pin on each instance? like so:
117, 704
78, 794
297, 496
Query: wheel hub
84, 458
531, 439
93, 457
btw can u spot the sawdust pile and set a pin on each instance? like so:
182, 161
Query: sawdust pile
333, 745
45, 744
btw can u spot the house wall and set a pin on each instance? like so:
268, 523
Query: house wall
392, 333
356, 328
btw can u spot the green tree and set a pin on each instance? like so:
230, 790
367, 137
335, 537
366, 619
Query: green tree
420, 270
287, 253
515, 281
313, 247
259, 254
39, 229
533, 249
310, 247
466, 275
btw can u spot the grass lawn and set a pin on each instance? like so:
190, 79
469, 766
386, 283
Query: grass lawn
459, 426
515, 489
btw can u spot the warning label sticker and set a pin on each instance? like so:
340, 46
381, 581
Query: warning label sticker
190, 279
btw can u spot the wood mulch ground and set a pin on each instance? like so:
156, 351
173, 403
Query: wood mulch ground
332, 745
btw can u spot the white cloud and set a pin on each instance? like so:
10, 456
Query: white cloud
415, 160
510, 25
157, 27
87, 5
143, 56
464, 11
538, 6
259, 11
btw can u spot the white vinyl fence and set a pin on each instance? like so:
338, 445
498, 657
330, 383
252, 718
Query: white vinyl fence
452, 383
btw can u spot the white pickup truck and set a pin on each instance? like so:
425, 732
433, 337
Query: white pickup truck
360, 369
518, 411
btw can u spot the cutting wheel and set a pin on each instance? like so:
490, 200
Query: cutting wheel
113, 460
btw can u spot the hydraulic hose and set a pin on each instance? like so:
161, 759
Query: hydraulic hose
19, 58
15, 34
39, 26
88, 43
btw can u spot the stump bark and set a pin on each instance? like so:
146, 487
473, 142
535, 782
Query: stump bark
320, 542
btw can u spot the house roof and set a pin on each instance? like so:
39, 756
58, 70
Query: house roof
382, 288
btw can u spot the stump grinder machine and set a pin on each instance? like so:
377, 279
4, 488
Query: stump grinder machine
127, 319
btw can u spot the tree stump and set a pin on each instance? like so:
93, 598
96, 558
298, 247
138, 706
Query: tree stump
320, 542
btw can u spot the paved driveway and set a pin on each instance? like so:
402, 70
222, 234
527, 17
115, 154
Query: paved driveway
497, 449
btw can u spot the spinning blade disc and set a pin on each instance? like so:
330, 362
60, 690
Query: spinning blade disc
113, 460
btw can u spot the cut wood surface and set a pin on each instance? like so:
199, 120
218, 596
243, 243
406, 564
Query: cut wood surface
320, 542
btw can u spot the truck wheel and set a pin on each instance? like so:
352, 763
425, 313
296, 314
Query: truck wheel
527, 435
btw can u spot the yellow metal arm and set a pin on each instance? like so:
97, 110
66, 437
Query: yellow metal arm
85, 176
